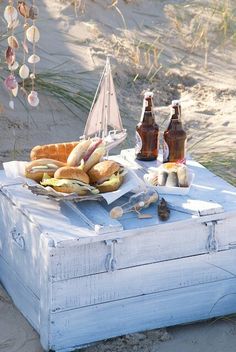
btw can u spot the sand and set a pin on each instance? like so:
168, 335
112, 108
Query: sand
150, 48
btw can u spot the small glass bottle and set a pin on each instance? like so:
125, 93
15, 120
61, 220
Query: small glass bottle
136, 203
147, 131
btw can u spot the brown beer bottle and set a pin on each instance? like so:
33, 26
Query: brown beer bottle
147, 131
174, 139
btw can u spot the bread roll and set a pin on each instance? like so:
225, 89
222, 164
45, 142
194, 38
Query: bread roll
94, 158
71, 188
77, 153
71, 173
107, 175
103, 170
36, 168
57, 151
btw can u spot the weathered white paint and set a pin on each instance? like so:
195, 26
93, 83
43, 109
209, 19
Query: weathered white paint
45, 291
21, 254
25, 300
142, 247
164, 274
188, 304
157, 277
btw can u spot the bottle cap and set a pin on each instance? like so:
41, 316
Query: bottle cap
175, 102
148, 94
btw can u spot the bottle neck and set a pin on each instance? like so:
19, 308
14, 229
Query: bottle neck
147, 115
176, 112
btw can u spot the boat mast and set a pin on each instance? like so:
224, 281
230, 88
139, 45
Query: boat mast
106, 98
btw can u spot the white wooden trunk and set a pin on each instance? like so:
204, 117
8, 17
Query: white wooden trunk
77, 286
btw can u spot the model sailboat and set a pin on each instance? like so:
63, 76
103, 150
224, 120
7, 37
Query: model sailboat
104, 120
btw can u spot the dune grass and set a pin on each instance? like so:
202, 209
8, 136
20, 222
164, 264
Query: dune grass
221, 164
204, 25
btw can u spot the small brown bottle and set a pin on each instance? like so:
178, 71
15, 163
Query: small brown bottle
147, 131
174, 139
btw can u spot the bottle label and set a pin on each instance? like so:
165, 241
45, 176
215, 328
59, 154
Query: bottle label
139, 144
166, 152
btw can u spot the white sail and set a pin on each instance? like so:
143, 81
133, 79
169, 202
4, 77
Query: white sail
94, 122
114, 118
105, 112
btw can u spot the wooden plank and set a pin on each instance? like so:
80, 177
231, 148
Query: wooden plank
24, 299
141, 247
45, 290
142, 280
85, 325
19, 239
96, 216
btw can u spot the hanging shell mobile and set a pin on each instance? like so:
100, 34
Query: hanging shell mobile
32, 35
11, 17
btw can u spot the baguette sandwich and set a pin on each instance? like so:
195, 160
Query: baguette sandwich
70, 180
57, 151
86, 154
107, 176
36, 168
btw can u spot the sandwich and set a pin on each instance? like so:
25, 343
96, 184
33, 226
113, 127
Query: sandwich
35, 169
86, 154
107, 175
70, 180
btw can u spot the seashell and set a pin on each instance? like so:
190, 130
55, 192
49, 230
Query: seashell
13, 42
32, 76
10, 82
24, 71
10, 56
14, 66
33, 59
23, 9
33, 12
116, 212
25, 47
183, 177
10, 14
32, 34
162, 177
33, 99
163, 210
13, 24
11, 104
172, 179
15, 91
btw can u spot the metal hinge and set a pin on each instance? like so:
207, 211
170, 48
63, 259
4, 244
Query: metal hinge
212, 243
110, 259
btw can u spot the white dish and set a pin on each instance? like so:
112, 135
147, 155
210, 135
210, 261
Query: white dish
171, 190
